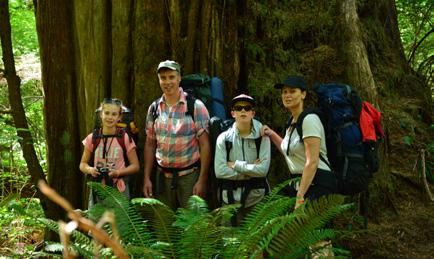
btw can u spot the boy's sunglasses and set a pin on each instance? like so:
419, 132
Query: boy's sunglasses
112, 100
239, 108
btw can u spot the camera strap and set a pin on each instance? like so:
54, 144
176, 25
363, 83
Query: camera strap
105, 149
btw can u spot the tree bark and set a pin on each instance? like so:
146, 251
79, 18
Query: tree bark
193, 14
359, 70
54, 25
204, 37
92, 57
121, 50
174, 19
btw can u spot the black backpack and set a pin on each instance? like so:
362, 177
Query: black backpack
339, 108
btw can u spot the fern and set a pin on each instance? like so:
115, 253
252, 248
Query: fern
201, 236
161, 218
80, 243
303, 230
131, 226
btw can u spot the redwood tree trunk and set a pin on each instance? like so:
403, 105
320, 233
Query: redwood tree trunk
54, 25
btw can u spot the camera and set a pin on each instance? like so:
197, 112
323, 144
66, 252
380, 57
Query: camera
104, 174
103, 170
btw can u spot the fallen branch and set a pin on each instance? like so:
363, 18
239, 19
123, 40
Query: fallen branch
425, 182
84, 224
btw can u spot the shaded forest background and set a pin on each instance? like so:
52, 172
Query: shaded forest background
92, 50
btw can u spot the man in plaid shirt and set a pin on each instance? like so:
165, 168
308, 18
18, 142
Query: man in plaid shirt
178, 140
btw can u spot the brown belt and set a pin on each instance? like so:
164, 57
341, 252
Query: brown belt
168, 174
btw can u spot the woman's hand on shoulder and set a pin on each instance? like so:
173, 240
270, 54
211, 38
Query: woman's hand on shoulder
266, 131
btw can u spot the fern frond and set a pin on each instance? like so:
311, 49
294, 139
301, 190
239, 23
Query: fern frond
303, 231
131, 226
201, 236
265, 211
161, 218
143, 252
81, 243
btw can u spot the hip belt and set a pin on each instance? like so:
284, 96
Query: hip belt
174, 173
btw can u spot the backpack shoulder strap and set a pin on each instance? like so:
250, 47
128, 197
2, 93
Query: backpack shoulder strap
120, 136
190, 105
300, 119
228, 145
96, 138
154, 109
258, 145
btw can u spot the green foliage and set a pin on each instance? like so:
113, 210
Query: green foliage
416, 24
23, 26
132, 229
19, 232
149, 229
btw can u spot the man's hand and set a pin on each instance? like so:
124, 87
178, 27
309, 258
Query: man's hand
147, 189
199, 189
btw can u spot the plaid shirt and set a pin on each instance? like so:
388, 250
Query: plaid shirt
176, 134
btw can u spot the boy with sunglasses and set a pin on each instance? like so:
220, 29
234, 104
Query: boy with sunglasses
242, 159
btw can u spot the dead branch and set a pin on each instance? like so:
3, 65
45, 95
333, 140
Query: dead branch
425, 182
84, 224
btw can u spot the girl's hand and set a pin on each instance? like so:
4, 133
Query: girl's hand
114, 173
93, 171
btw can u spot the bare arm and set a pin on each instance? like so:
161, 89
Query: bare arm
149, 157
84, 166
132, 168
312, 146
205, 159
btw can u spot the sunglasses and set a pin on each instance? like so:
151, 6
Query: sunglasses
112, 100
239, 108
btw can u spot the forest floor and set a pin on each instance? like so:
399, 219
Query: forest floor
401, 213
401, 216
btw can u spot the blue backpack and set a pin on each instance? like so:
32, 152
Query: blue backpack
339, 108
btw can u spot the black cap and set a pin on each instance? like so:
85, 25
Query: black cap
241, 98
293, 82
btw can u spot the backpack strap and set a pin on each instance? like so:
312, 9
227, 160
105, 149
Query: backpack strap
96, 138
299, 128
190, 105
154, 109
228, 145
258, 145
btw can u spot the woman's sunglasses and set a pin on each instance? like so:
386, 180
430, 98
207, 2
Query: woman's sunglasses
239, 108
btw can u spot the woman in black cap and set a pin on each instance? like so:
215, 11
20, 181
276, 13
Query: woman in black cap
306, 156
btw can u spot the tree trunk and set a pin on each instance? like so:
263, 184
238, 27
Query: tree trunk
18, 113
359, 70
121, 50
193, 13
54, 25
